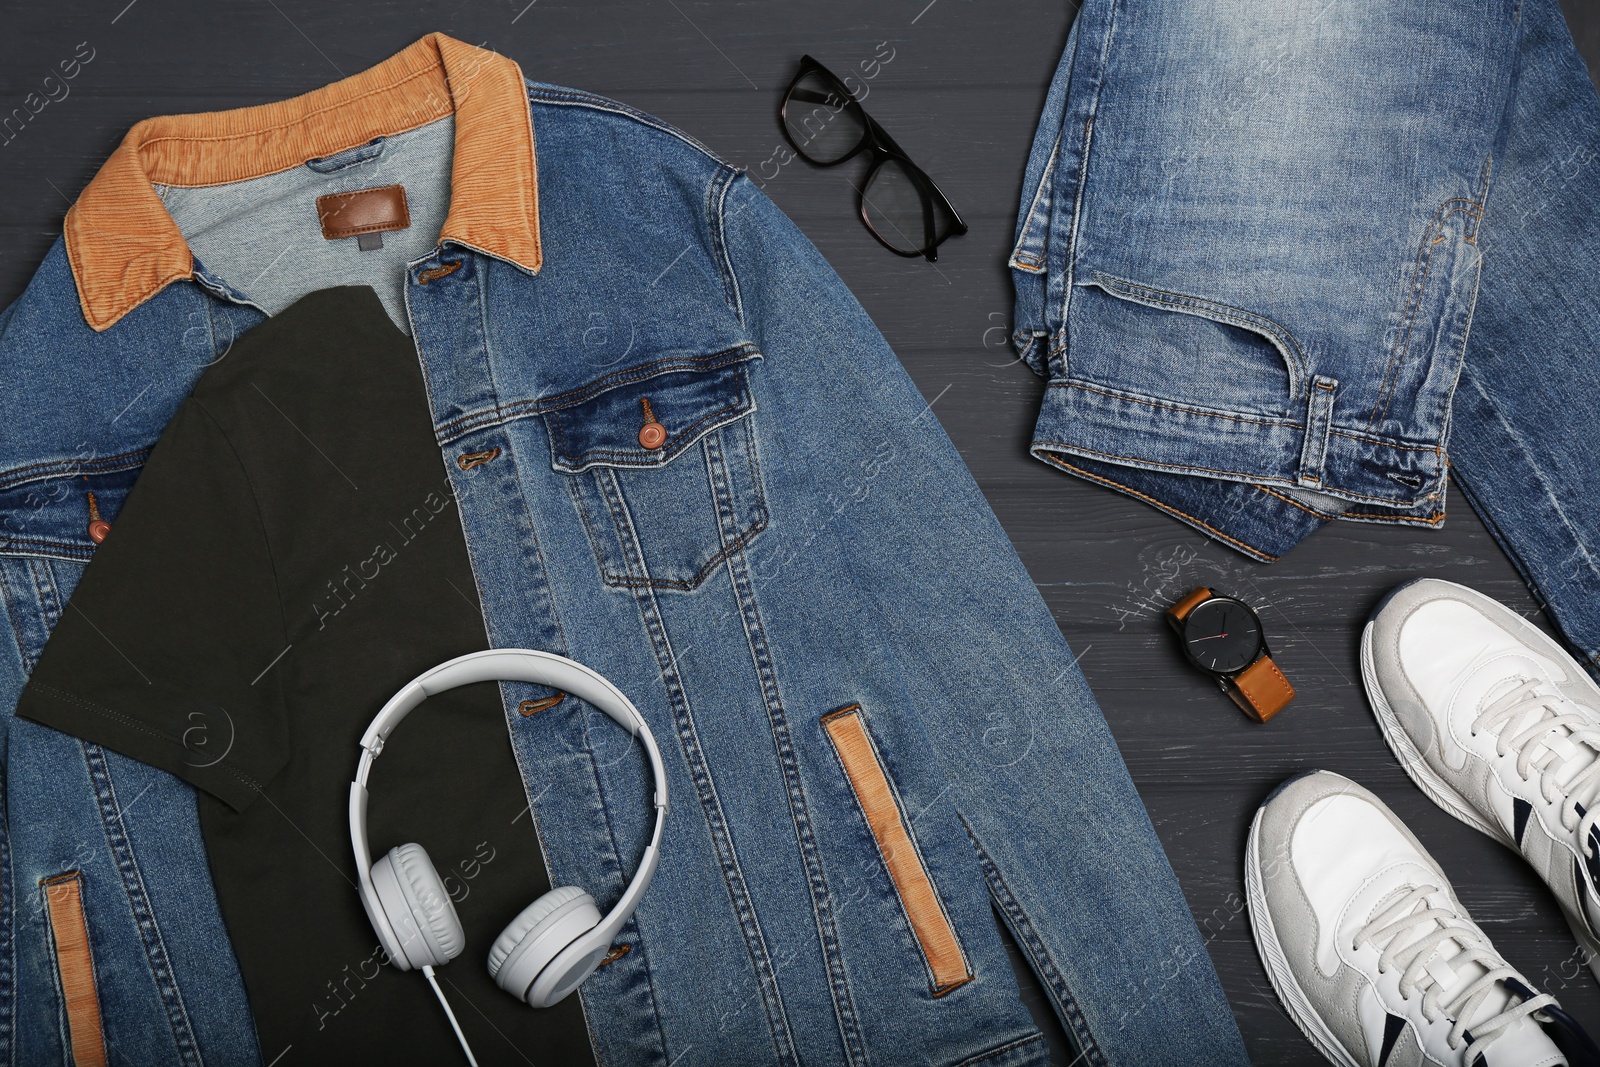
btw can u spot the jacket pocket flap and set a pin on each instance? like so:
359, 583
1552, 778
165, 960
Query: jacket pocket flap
60, 516
647, 419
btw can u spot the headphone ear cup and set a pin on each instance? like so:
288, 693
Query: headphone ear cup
418, 907
537, 935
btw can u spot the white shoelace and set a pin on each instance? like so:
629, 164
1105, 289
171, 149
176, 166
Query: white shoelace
1548, 734
1411, 914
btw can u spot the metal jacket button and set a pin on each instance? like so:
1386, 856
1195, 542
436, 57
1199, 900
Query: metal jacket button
652, 434
98, 527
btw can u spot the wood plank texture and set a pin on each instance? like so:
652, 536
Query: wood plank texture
962, 93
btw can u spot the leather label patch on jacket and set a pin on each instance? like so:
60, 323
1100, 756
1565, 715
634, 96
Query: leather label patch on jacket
365, 211
924, 911
63, 897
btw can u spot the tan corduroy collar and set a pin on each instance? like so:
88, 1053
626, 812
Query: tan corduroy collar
125, 248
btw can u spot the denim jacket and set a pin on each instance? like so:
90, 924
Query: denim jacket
875, 736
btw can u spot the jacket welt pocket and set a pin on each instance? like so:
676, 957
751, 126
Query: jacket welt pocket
69, 931
885, 817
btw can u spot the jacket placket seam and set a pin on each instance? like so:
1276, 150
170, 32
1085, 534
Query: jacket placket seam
783, 742
155, 946
710, 800
1030, 942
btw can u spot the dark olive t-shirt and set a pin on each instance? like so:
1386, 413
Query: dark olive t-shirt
289, 558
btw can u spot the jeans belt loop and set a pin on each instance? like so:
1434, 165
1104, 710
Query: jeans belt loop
1319, 421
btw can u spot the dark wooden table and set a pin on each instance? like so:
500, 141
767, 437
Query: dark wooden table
962, 93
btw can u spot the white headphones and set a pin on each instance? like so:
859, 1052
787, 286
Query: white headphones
558, 940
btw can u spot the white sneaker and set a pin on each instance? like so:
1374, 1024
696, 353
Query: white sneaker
1371, 952
1499, 726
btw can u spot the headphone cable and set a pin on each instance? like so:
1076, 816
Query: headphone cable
428, 971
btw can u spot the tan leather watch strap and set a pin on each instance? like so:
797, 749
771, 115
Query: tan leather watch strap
1195, 598
1261, 689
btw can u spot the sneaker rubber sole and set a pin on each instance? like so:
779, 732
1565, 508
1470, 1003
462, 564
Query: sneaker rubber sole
1277, 964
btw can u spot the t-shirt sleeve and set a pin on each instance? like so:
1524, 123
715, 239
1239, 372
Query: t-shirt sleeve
170, 647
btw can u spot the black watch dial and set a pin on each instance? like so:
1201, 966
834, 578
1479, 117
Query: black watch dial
1222, 635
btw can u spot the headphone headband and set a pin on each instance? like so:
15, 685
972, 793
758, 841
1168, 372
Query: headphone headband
518, 665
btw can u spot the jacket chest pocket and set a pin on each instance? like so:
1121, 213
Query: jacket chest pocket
663, 470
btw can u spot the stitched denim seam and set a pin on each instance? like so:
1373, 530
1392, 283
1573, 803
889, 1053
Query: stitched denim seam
155, 947
1284, 340
1404, 520
1295, 503
717, 826
721, 186
8, 908
1073, 231
799, 807
1139, 461
534, 542
711, 361
34, 472
1420, 271
8, 940
1132, 398
19, 628
1025, 260
575, 491
77, 554
497, 414
1069, 280
49, 594
63, 1033
47, 609
632, 925
625, 528
1002, 1050
699, 577
1424, 260
1385, 442
1030, 942
683, 439
578, 98
1208, 528
1286, 424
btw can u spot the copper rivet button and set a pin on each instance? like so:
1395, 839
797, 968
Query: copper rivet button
652, 435
98, 530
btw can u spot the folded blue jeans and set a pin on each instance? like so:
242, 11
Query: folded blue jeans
1295, 262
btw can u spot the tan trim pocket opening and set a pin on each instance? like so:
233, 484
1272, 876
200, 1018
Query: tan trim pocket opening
920, 900
63, 897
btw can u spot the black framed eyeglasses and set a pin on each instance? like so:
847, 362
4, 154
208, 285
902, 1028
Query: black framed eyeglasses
899, 203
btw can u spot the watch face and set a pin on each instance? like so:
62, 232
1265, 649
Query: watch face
1222, 635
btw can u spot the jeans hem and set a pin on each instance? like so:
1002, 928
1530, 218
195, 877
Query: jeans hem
1126, 429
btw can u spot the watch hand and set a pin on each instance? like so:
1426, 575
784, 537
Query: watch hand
1213, 637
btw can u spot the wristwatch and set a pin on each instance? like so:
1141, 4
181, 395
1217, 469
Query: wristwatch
1222, 636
